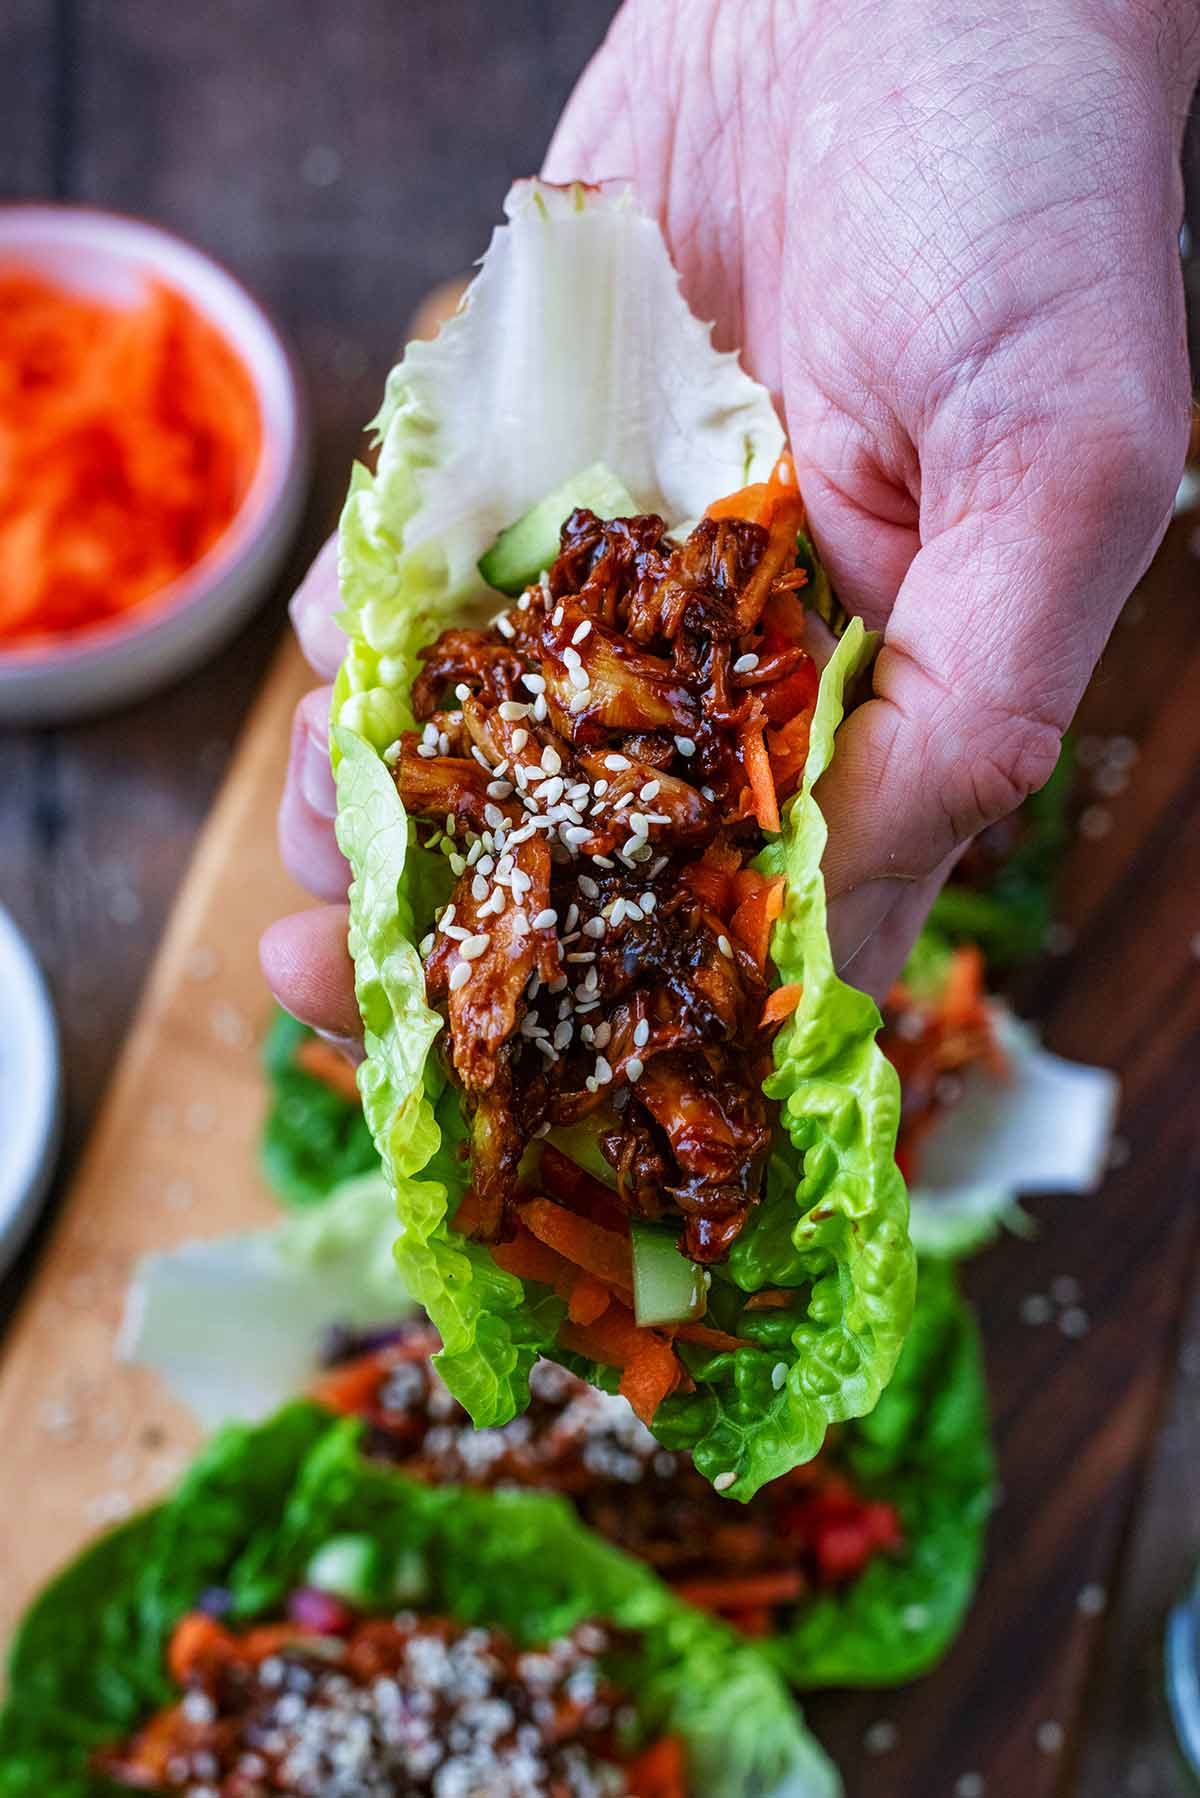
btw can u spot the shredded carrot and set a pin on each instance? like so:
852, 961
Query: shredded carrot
781, 1003
469, 1215
758, 772
784, 615
746, 1591
266, 1639
329, 1066
601, 1253
705, 1336
659, 1771
650, 1375
349, 1390
128, 438
962, 995
751, 503
771, 1299
529, 1259
196, 1637
760, 903
787, 752
589, 1299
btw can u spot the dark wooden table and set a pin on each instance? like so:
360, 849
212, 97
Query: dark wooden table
343, 159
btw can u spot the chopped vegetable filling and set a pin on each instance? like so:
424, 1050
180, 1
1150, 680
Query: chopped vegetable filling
337, 1705
809, 1531
599, 766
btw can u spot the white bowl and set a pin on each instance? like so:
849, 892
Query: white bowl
109, 256
30, 1081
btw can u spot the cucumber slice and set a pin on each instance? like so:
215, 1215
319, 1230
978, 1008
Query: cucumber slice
520, 553
347, 1567
667, 1287
358, 1570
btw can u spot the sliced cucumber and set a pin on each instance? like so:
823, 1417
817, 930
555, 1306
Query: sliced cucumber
360, 1571
347, 1567
667, 1287
520, 553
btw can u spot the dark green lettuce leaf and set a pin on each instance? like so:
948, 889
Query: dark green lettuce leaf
313, 1138
926, 1448
87, 1662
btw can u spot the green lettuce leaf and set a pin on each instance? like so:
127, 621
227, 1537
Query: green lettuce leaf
235, 1324
313, 1137
475, 428
87, 1662
926, 1448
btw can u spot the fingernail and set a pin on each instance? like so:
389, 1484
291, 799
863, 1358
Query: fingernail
315, 774
858, 914
349, 1046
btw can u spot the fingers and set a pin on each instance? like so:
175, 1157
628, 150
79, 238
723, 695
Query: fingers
308, 968
309, 804
871, 951
313, 609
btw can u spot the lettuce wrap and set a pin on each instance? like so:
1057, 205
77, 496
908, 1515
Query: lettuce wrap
268, 1512
884, 1533
575, 351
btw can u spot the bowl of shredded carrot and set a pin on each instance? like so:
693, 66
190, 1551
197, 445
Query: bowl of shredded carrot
153, 459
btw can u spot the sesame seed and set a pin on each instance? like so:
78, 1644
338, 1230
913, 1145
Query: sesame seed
603, 861
970, 1785
479, 887
633, 1069
648, 903
592, 1084
492, 907
588, 887
426, 944
474, 853
745, 664
707, 793
427, 750
571, 658
504, 625
618, 763
649, 791
443, 743
462, 691
546, 919
519, 737
500, 789
472, 947
556, 617
602, 1035
633, 910
520, 924
582, 955
603, 1071
460, 973
595, 927
779, 1374
510, 710
724, 1481
618, 911
547, 1048
494, 816
486, 864
579, 702
551, 790
477, 752
880, 1737
577, 833
580, 678
563, 1032
447, 917
521, 882
592, 981
540, 708
641, 1035
1050, 1737
581, 631
600, 788
458, 864
551, 760
1091, 1600
686, 745
558, 984
451, 824
724, 945
534, 682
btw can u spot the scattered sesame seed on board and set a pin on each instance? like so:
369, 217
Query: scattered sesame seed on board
1050, 1737
724, 1481
881, 1736
1092, 1600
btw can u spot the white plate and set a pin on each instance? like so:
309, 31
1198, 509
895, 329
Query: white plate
109, 256
30, 1086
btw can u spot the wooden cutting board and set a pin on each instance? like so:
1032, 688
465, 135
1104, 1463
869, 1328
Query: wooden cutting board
173, 1155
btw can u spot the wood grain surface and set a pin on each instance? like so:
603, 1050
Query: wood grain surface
172, 1155
342, 159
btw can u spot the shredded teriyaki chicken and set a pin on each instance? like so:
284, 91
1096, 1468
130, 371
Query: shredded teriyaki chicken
599, 764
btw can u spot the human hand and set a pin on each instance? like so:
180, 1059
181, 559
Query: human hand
954, 263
